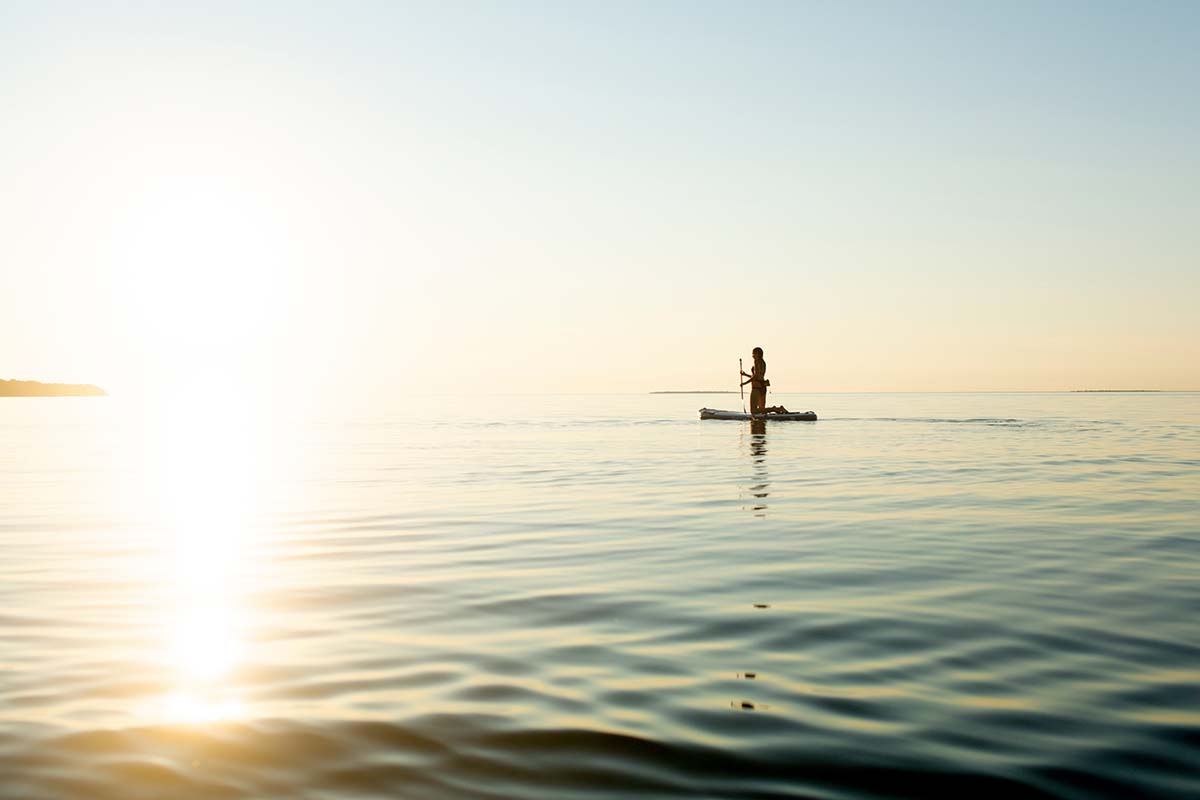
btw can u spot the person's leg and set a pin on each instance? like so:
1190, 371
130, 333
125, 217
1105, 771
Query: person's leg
758, 399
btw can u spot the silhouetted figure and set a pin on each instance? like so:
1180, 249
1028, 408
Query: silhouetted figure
757, 378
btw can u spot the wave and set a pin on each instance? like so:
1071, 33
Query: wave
477, 756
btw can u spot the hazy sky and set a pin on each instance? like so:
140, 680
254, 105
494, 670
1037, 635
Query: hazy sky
601, 197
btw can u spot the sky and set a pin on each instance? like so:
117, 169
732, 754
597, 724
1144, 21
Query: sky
387, 198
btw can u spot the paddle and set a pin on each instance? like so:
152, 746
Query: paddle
742, 385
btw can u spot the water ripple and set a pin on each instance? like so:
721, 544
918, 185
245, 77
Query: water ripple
917, 596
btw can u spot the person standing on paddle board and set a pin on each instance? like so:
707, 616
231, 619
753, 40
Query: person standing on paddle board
757, 378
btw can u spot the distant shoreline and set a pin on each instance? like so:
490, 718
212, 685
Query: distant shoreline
1114, 391
695, 391
14, 388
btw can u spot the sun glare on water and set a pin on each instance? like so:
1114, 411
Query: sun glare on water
205, 285
203, 501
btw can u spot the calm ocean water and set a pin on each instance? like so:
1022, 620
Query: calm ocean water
602, 596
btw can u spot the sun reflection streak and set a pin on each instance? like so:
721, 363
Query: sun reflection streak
183, 707
204, 497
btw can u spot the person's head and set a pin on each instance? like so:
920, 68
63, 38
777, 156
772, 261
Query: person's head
757, 352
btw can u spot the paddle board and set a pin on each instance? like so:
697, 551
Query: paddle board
712, 413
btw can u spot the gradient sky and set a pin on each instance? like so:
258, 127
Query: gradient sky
603, 197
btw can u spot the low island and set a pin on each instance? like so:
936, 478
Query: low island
12, 388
